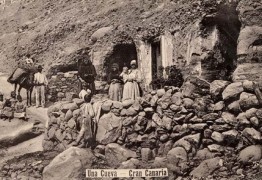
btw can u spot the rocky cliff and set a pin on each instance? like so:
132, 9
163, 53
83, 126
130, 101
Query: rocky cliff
208, 38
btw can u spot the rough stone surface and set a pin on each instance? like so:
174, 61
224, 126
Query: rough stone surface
116, 154
232, 91
70, 164
206, 168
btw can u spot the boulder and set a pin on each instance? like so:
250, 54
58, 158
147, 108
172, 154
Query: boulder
228, 118
242, 119
219, 106
217, 136
153, 101
69, 164
206, 168
188, 103
210, 117
177, 98
101, 32
146, 154
252, 134
117, 105
72, 106
217, 87
160, 162
204, 154
254, 121
215, 148
251, 113
160, 92
175, 108
127, 103
232, 91
250, 154
78, 101
108, 128
248, 86
130, 164
116, 154
231, 137
176, 160
248, 100
188, 89
234, 107
259, 114
131, 111
106, 106
68, 115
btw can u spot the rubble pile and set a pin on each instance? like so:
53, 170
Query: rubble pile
201, 130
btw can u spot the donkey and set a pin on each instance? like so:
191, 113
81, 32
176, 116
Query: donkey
26, 82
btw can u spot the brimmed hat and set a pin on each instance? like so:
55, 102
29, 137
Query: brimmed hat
39, 67
133, 62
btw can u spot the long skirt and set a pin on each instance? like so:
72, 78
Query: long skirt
115, 91
131, 90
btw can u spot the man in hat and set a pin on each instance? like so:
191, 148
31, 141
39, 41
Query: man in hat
40, 82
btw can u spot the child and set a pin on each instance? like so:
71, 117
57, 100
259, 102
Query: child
8, 112
86, 136
20, 108
84, 91
13, 99
124, 74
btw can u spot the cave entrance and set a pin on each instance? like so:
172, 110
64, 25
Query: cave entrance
156, 59
122, 54
224, 59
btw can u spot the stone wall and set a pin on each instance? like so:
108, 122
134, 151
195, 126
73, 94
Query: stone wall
198, 130
63, 86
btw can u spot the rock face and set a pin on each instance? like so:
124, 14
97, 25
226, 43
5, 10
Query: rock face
108, 128
250, 154
249, 45
116, 154
70, 164
206, 168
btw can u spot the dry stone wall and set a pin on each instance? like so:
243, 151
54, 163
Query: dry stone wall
63, 86
201, 130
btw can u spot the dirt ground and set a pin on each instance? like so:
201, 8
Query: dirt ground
36, 115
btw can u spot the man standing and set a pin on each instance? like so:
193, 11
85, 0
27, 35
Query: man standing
40, 82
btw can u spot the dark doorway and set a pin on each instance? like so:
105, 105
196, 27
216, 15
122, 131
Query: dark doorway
122, 54
156, 59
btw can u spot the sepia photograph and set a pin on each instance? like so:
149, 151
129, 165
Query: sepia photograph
130, 90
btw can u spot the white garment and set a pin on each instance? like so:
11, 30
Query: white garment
40, 78
83, 93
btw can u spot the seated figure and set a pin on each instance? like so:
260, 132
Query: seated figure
20, 108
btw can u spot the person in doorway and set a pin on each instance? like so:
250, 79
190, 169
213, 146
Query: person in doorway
85, 91
86, 137
87, 72
20, 108
40, 82
132, 89
115, 90
124, 76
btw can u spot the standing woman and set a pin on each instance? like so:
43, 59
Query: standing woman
115, 90
132, 90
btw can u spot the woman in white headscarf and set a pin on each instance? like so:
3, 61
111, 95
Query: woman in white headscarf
131, 87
